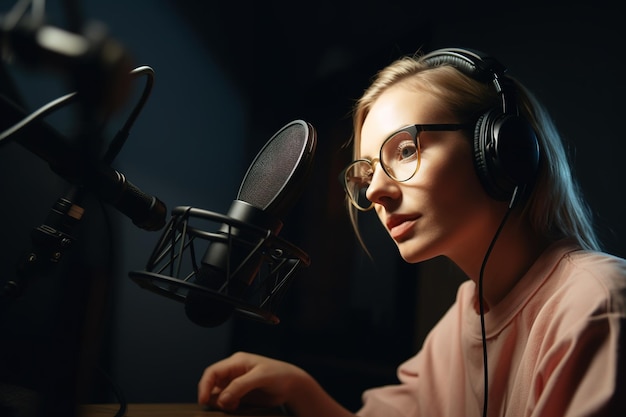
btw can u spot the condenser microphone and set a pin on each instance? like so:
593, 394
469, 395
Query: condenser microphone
269, 189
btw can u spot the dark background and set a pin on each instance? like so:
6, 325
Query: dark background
228, 76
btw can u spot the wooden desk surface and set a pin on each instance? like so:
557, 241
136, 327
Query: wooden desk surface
166, 410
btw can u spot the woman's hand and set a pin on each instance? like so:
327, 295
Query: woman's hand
258, 381
250, 379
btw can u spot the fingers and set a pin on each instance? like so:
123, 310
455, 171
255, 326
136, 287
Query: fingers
231, 395
258, 381
205, 387
245, 377
222, 375
214, 378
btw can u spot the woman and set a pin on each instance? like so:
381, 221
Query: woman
459, 160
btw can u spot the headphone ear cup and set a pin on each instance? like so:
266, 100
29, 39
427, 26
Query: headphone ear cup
482, 156
506, 153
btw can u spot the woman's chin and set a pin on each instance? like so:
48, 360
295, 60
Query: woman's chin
412, 253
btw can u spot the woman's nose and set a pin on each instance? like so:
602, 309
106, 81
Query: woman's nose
381, 186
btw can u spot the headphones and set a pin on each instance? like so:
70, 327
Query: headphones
506, 150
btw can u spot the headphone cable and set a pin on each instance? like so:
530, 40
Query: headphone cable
481, 302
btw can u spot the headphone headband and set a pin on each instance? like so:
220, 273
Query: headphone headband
477, 65
473, 63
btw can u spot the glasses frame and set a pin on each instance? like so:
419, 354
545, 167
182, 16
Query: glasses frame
415, 131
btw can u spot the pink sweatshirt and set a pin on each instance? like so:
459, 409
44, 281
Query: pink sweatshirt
553, 348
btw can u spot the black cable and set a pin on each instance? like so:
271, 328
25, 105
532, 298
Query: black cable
38, 114
120, 138
149, 72
481, 302
119, 394
62, 101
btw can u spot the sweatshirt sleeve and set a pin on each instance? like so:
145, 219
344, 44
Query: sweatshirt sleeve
579, 374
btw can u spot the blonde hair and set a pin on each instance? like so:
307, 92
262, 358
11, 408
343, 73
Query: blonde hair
555, 206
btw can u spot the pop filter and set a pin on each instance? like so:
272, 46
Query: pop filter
246, 267
277, 175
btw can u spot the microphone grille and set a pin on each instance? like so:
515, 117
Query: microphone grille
279, 170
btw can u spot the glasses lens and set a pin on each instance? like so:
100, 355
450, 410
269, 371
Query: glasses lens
400, 155
357, 178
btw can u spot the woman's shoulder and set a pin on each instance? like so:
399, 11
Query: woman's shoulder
594, 277
600, 266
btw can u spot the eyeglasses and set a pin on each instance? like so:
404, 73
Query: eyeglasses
399, 157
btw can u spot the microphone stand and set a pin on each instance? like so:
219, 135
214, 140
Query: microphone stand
55, 235
53, 343
50, 240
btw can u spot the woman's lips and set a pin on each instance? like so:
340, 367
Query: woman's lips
399, 226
